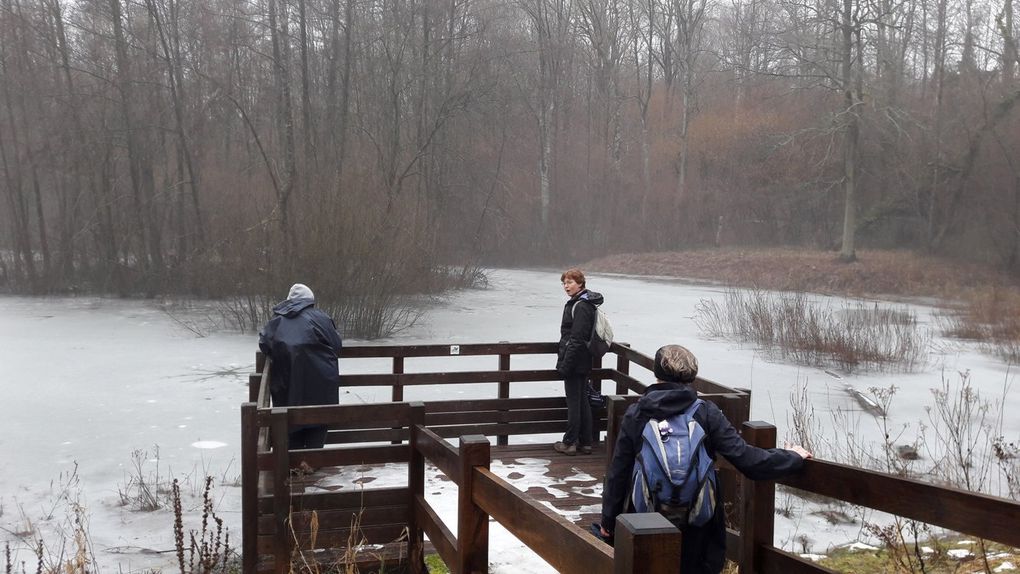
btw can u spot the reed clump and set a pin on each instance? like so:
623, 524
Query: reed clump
991, 317
852, 336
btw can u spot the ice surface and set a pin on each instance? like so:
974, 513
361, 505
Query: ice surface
97, 388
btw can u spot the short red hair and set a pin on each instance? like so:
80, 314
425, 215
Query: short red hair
573, 273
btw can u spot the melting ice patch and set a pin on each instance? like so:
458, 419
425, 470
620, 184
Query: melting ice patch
208, 444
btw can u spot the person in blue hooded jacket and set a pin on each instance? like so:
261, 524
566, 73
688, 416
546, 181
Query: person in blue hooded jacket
702, 549
303, 344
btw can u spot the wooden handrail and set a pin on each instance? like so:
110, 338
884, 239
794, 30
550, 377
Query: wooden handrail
437, 451
557, 540
987, 517
467, 349
268, 458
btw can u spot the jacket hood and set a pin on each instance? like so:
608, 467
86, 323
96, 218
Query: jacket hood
292, 307
593, 297
662, 400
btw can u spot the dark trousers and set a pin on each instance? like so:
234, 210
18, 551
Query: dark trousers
578, 411
313, 436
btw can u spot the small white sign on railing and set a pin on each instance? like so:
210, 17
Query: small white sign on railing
454, 349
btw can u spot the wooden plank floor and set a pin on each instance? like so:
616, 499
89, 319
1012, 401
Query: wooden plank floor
571, 485
579, 477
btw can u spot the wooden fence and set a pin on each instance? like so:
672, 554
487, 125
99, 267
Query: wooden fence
282, 525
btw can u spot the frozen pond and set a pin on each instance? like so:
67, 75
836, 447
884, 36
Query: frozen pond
90, 381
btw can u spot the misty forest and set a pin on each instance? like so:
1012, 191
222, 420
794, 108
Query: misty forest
380, 148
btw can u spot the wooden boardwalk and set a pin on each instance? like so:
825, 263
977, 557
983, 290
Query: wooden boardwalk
579, 477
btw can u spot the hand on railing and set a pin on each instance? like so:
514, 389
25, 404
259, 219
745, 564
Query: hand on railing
601, 533
803, 452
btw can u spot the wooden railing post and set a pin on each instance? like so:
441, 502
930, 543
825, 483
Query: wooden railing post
736, 407
646, 543
596, 382
416, 490
249, 488
616, 406
504, 391
281, 490
254, 380
623, 366
398, 387
472, 521
758, 503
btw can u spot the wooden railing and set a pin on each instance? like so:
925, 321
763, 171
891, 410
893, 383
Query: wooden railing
970, 513
364, 431
414, 433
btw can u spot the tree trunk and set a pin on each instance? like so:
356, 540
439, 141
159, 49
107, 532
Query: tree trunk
285, 124
175, 76
141, 175
848, 252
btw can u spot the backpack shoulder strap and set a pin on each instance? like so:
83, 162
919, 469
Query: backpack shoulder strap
595, 320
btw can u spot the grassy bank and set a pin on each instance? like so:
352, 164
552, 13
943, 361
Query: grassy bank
980, 303
875, 273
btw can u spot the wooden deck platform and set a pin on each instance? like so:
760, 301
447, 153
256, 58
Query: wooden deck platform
570, 485
579, 477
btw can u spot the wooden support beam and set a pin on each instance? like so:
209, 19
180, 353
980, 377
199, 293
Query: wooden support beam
249, 489
646, 543
472, 521
416, 490
758, 504
504, 392
281, 490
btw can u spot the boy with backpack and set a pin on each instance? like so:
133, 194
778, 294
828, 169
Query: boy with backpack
664, 462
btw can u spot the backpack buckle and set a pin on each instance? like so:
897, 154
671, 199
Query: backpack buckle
677, 514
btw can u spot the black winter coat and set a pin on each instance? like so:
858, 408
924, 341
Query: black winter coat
576, 327
703, 550
303, 344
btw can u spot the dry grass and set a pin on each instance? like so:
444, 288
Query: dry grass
991, 316
854, 336
982, 304
208, 549
896, 273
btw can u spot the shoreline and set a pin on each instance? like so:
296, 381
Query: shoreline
876, 273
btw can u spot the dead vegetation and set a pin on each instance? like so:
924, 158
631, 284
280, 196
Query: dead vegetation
991, 317
885, 273
851, 336
960, 444
67, 547
980, 303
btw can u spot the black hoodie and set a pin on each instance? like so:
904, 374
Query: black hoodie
576, 328
703, 550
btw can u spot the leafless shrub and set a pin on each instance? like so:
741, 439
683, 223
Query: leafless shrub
855, 336
143, 488
186, 316
992, 318
208, 550
69, 550
803, 424
1006, 457
246, 313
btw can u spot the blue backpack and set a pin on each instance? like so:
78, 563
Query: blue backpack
674, 475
